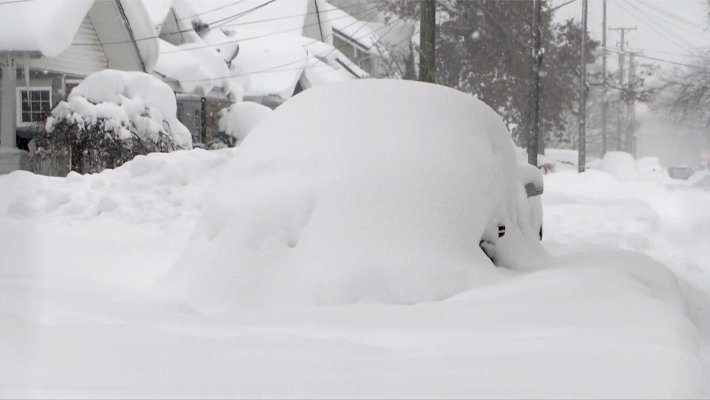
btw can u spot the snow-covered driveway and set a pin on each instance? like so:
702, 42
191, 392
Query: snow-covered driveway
80, 316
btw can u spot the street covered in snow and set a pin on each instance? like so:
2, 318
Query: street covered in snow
90, 306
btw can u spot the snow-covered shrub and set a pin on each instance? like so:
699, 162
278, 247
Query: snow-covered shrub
237, 120
619, 164
113, 116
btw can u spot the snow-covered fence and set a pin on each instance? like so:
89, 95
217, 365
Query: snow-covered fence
50, 155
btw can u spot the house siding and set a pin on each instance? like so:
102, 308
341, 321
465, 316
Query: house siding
79, 60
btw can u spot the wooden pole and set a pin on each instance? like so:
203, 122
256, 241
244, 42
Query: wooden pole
534, 142
427, 41
581, 145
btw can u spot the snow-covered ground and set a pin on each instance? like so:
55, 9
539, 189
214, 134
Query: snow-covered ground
79, 316
336, 254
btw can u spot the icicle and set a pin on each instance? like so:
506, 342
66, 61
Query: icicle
26, 72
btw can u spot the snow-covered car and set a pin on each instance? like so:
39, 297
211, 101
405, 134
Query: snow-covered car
367, 190
534, 185
680, 172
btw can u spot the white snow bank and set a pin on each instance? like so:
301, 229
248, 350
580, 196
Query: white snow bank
241, 118
125, 97
150, 189
47, 26
360, 191
560, 159
620, 164
80, 254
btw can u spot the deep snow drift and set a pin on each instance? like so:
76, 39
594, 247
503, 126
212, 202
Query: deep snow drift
79, 314
360, 191
84, 258
240, 118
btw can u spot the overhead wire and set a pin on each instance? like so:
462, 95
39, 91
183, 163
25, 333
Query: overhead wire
672, 15
663, 25
278, 68
268, 34
646, 23
241, 13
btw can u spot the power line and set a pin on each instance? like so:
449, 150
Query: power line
263, 35
258, 21
661, 29
676, 41
207, 12
660, 59
561, 5
228, 41
672, 15
242, 13
662, 24
275, 68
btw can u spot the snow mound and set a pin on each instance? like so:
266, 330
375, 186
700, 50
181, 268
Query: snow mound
125, 99
560, 159
359, 191
241, 118
150, 189
619, 164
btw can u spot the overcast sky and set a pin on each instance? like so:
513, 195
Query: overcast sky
667, 29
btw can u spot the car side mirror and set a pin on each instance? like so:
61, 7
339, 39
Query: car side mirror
532, 180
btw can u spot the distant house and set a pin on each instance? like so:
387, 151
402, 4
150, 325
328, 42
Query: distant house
359, 40
48, 46
284, 47
194, 60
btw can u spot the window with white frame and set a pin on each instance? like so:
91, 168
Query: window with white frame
35, 105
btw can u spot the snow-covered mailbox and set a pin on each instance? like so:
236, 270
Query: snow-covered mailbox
48, 46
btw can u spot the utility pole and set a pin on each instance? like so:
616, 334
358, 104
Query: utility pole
427, 41
534, 142
581, 145
622, 61
604, 83
631, 113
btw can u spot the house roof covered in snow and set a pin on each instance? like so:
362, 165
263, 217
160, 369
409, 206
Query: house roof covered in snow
192, 54
281, 43
45, 26
49, 27
287, 17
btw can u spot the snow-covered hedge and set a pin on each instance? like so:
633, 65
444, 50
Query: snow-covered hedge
111, 117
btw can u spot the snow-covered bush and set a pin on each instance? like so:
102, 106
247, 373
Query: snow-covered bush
619, 164
113, 116
237, 120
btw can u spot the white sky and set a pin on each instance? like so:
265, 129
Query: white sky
667, 29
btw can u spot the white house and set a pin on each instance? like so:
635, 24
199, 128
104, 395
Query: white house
194, 60
284, 47
48, 46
